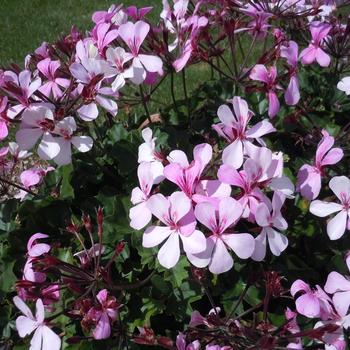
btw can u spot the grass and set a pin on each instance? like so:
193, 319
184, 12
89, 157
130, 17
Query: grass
25, 24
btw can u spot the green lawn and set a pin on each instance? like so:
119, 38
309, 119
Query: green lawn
25, 24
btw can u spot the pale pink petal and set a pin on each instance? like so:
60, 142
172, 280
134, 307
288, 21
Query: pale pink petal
140, 216
340, 185
82, 143
48, 147
260, 247
205, 214
3, 130
27, 138
37, 340
242, 244
22, 306
233, 154
336, 226
204, 153
229, 175
88, 112
180, 205
277, 241
226, 116
322, 209
40, 311
299, 286
221, 260
108, 104
203, 259
154, 235
65, 155
274, 104
336, 282
259, 72
103, 327
309, 182
292, 94
333, 156
169, 253
159, 206
25, 326
322, 58
51, 341
151, 63
308, 305
194, 243
308, 55
262, 215
341, 301
230, 211
178, 156
260, 129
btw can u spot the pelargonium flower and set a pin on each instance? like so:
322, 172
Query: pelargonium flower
290, 52
219, 221
339, 286
293, 328
270, 223
44, 338
35, 249
21, 87
147, 153
340, 186
269, 78
140, 215
312, 302
314, 51
134, 34
184, 174
309, 176
177, 214
54, 85
37, 122
234, 128
65, 129
103, 314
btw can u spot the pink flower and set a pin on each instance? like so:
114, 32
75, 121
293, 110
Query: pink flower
186, 175
339, 286
309, 176
37, 122
290, 52
177, 214
311, 303
134, 34
66, 128
91, 72
115, 15
44, 338
20, 87
140, 215
259, 25
218, 221
268, 77
234, 128
48, 69
269, 222
35, 249
340, 186
117, 57
103, 315
314, 51
103, 34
